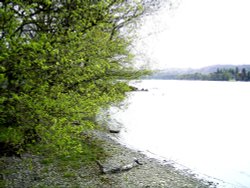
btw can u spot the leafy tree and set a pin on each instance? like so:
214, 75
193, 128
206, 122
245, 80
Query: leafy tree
61, 62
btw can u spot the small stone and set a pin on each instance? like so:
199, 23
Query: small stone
114, 131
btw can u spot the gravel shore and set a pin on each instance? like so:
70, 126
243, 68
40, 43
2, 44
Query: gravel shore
29, 171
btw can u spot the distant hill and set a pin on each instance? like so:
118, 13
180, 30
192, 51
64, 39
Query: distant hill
174, 73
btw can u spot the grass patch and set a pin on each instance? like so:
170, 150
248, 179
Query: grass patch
66, 167
69, 174
105, 180
2, 183
93, 149
47, 161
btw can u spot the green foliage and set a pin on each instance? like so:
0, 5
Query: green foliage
11, 135
11, 140
61, 62
91, 150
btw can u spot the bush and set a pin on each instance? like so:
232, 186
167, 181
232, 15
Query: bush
61, 62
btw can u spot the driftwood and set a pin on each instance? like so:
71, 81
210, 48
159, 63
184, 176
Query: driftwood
118, 169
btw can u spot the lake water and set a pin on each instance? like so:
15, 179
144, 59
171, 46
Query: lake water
204, 126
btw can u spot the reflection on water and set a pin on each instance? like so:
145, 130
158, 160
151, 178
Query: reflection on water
202, 125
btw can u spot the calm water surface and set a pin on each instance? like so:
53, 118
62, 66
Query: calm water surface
204, 126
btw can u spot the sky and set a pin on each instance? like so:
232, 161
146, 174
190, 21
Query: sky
198, 33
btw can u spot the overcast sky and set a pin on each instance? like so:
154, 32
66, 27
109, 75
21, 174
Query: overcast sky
199, 33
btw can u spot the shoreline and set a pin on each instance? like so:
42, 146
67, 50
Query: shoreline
28, 171
154, 172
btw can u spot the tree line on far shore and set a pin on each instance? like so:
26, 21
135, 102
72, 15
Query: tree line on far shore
223, 74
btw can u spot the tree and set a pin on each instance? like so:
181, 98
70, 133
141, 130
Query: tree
61, 63
243, 74
248, 75
237, 73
